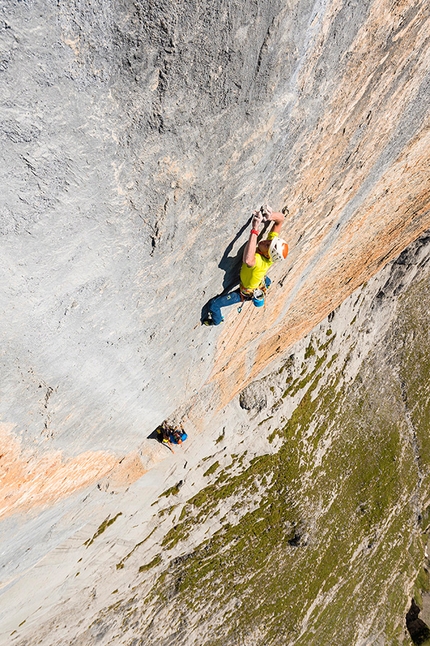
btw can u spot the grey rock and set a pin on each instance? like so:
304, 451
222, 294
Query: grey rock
135, 139
253, 397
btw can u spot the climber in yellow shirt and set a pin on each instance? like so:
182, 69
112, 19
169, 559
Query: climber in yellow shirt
258, 257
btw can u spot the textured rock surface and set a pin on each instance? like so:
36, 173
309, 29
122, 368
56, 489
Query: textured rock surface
136, 137
135, 140
301, 523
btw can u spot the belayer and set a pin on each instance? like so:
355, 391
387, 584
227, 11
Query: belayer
172, 435
258, 257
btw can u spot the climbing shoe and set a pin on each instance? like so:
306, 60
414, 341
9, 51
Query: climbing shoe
210, 322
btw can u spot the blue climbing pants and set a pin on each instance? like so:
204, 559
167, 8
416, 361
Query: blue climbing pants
222, 301
225, 300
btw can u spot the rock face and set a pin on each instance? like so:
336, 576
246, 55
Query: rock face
300, 518
136, 138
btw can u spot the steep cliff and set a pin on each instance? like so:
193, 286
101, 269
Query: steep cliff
136, 137
300, 517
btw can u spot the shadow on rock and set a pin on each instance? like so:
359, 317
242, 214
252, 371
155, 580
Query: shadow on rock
231, 268
231, 264
417, 628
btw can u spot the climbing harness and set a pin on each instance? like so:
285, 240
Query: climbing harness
245, 295
257, 296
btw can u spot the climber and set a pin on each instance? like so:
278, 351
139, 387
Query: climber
172, 435
257, 259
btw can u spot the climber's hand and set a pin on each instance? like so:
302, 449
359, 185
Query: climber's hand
257, 219
266, 212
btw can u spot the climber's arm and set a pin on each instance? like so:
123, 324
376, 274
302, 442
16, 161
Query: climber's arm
278, 219
250, 249
251, 245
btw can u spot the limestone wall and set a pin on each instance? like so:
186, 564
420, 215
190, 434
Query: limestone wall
135, 140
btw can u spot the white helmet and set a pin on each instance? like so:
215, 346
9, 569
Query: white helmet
278, 249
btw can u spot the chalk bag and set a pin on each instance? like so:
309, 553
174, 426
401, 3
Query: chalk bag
258, 298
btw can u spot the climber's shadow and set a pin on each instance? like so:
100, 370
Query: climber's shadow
154, 436
231, 267
231, 264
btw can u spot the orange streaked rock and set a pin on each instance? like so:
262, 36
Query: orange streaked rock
351, 210
29, 480
127, 470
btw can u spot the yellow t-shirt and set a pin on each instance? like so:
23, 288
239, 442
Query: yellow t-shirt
252, 277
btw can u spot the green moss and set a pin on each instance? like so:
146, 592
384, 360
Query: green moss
334, 536
211, 469
274, 434
105, 524
289, 363
120, 565
220, 438
172, 491
276, 554
422, 584
310, 351
171, 509
183, 512
263, 421
416, 382
323, 347
155, 561
277, 405
310, 378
